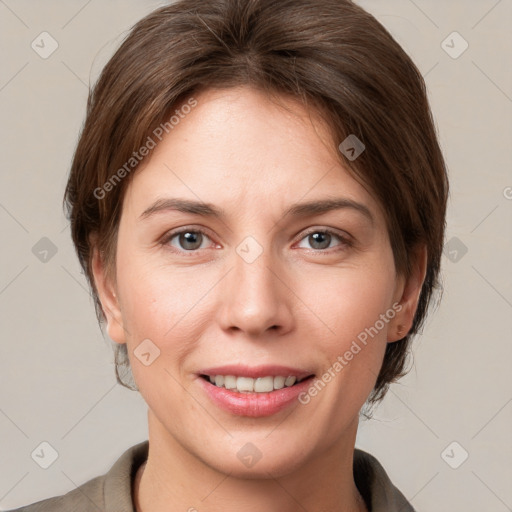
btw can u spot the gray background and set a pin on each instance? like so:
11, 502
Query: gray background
56, 369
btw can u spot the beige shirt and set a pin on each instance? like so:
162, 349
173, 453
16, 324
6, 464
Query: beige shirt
112, 492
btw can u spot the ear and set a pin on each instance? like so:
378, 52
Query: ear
407, 295
108, 298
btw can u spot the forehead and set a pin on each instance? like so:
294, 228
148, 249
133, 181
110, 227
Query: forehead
239, 148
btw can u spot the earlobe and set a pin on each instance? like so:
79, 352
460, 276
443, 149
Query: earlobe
108, 298
409, 298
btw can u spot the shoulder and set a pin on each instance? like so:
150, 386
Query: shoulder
110, 492
85, 498
375, 485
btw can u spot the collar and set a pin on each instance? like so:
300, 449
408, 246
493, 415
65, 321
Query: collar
370, 477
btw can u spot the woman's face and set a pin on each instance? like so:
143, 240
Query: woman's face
262, 284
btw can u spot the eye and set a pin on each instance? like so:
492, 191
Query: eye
191, 240
321, 239
186, 240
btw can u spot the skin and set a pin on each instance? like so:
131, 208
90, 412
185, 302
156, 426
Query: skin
205, 307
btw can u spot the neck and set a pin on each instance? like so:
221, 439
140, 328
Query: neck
172, 475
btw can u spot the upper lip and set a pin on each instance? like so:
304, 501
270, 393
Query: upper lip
256, 371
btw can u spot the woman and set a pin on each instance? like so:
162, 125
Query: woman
258, 201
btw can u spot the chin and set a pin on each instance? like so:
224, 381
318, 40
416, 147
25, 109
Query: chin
257, 458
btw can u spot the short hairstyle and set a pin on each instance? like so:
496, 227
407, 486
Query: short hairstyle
331, 55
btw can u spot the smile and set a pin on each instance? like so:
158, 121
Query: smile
254, 391
249, 385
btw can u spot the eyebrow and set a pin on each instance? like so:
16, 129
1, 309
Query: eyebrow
310, 208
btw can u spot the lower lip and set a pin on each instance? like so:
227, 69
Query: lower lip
254, 404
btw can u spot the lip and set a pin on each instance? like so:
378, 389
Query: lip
254, 404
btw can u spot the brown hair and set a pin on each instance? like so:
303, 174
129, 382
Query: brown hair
330, 54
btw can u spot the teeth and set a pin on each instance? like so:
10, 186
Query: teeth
279, 382
264, 384
230, 382
290, 381
245, 384
249, 385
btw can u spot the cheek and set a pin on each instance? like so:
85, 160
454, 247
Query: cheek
348, 300
154, 295
355, 307
169, 306
155, 308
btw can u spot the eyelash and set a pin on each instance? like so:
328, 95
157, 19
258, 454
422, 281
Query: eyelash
345, 242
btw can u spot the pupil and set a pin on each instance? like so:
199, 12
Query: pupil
190, 238
317, 238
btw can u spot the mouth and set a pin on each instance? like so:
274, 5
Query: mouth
255, 392
265, 384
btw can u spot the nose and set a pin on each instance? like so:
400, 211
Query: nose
256, 298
